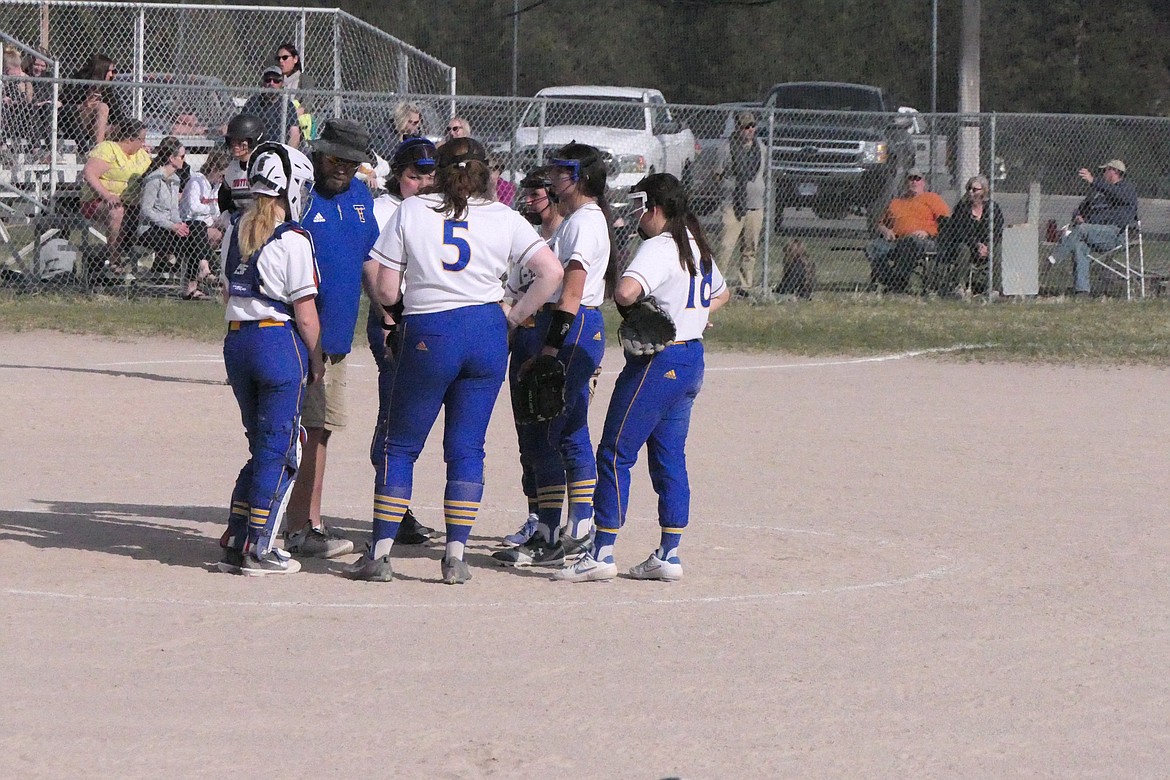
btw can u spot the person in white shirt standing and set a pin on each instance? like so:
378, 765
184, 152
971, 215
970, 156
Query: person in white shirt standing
653, 396
574, 331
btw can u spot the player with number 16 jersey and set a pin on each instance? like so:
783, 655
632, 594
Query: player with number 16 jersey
653, 396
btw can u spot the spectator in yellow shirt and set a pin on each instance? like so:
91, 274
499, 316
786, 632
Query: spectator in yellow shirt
906, 232
112, 175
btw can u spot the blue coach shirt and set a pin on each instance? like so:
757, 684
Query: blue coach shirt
344, 231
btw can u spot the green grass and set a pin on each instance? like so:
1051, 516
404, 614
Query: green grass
1044, 330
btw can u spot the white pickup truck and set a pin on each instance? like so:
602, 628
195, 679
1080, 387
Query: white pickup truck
631, 126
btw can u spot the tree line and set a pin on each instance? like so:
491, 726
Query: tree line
1062, 56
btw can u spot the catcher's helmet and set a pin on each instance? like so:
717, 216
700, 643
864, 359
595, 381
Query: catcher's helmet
244, 127
416, 151
276, 169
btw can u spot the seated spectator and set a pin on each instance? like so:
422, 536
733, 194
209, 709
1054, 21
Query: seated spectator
1099, 220
977, 224
200, 201
288, 59
160, 222
111, 176
800, 272
406, 123
87, 112
38, 68
276, 112
19, 115
458, 127
504, 190
187, 124
907, 231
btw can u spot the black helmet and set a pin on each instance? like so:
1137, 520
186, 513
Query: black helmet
245, 127
416, 151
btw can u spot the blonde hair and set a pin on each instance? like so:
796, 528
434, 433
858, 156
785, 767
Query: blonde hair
402, 113
259, 222
12, 58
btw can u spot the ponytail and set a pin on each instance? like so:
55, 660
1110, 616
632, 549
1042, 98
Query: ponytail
259, 223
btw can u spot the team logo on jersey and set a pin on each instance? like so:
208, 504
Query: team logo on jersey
421, 346
361, 212
670, 374
321, 217
597, 336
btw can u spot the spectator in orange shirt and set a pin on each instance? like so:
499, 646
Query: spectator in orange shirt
906, 233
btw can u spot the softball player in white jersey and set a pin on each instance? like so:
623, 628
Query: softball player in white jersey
452, 248
653, 396
561, 450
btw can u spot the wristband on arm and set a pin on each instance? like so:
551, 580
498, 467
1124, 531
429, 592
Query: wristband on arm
559, 328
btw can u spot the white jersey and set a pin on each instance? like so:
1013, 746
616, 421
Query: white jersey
520, 278
584, 237
235, 178
287, 273
686, 298
384, 207
450, 263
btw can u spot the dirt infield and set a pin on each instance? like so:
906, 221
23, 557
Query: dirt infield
901, 567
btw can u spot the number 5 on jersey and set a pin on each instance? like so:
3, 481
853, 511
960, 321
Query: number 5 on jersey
460, 243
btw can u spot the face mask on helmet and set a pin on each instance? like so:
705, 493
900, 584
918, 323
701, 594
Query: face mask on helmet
279, 170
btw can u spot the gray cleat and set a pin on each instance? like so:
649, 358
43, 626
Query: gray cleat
455, 571
371, 569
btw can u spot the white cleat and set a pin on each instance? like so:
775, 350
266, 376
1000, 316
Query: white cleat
587, 569
654, 568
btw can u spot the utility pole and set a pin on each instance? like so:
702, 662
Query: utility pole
967, 158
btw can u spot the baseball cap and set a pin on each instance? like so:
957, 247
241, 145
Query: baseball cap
744, 119
272, 70
915, 172
1117, 165
344, 138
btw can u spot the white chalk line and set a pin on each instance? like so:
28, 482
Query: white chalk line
527, 604
759, 367
934, 573
855, 361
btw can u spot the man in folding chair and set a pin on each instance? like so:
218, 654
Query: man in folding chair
1100, 221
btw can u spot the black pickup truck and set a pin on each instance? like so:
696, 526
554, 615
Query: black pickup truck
836, 148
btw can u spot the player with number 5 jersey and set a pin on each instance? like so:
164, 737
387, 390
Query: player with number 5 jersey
452, 246
653, 396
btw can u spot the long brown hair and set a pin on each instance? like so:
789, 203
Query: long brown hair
666, 192
592, 184
461, 173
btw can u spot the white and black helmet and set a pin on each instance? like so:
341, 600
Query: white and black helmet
276, 170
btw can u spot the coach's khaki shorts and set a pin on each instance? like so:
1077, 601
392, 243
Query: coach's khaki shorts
324, 405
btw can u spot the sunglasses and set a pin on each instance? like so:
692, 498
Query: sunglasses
747, 126
273, 80
913, 178
343, 164
283, 57
454, 129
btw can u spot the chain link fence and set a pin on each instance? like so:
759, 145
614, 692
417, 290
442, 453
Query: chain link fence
228, 44
807, 201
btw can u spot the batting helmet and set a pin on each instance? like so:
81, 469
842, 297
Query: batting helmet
416, 151
244, 127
